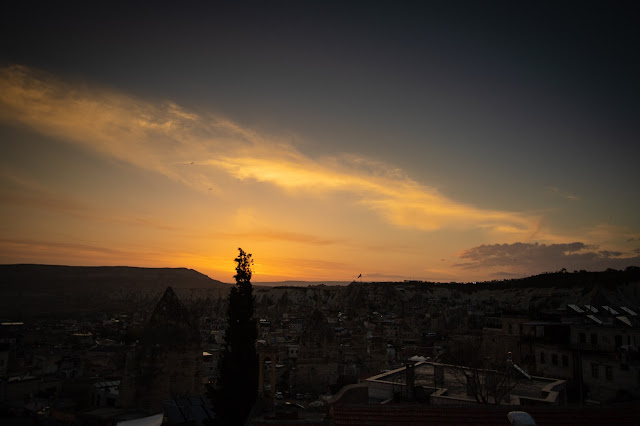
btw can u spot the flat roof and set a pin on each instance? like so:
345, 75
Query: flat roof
456, 385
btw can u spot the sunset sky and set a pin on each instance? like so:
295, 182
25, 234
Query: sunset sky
454, 141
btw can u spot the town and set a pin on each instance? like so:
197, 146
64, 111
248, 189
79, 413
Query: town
553, 345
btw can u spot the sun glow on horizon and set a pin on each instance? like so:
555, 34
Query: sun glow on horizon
183, 188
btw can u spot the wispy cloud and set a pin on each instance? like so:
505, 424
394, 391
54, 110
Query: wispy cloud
56, 252
563, 194
398, 198
194, 148
30, 250
276, 235
291, 267
21, 191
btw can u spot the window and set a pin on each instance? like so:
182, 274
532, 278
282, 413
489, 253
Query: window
541, 357
554, 359
609, 372
618, 340
582, 338
594, 370
510, 328
594, 339
520, 328
565, 360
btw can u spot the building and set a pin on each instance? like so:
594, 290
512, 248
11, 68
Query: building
445, 384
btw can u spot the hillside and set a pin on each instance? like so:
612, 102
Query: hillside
544, 292
27, 290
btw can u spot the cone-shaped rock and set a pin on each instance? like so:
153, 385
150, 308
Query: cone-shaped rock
171, 324
168, 360
316, 337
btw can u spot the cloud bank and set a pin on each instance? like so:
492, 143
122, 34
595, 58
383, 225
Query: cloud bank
533, 258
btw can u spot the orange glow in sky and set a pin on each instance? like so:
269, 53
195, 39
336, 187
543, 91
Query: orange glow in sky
101, 177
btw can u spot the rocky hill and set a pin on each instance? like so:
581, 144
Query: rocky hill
27, 290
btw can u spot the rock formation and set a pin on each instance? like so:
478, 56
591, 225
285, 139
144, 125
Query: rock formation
167, 361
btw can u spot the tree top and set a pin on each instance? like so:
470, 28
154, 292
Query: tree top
243, 269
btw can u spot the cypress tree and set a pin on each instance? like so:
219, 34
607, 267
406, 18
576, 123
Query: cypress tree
238, 365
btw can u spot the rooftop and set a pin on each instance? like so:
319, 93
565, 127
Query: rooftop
420, 414
448, 384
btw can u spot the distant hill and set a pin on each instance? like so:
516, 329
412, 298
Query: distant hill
291, 283
46, 290
540, 293
27, 290
58, 276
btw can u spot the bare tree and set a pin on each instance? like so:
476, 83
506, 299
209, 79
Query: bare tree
487, 386
487, 380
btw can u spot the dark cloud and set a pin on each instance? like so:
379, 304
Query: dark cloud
607, 253
533, 258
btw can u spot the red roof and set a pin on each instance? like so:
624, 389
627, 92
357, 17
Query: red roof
417, 414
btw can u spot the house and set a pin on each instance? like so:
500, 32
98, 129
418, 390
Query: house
445, 384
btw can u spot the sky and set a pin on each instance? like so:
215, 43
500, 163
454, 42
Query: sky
438, 141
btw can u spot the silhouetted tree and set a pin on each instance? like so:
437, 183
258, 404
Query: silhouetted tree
238, 365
